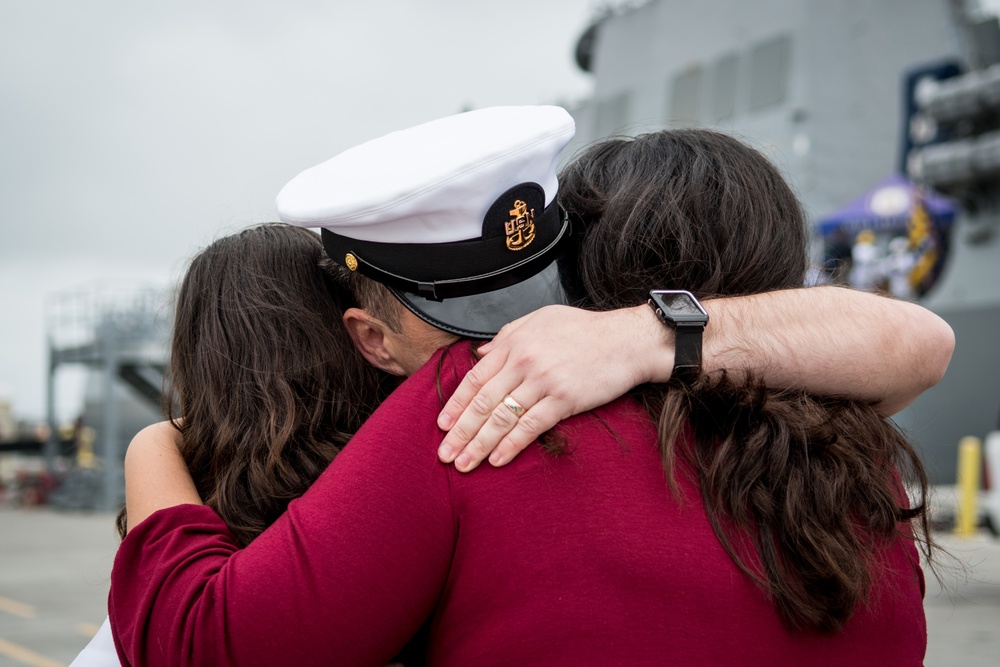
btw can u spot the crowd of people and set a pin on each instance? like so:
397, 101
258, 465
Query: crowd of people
902, 265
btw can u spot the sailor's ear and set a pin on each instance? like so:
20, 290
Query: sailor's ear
369, 335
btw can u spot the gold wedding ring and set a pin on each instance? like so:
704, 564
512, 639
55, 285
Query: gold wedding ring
513, 406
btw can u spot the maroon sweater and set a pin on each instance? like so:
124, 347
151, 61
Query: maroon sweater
581, 559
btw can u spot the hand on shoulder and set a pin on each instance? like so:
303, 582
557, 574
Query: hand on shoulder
545, 367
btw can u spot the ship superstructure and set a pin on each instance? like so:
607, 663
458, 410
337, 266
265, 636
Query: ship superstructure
827, 90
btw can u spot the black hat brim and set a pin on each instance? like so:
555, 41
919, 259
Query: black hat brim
480, 316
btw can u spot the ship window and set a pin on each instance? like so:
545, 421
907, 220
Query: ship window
769, 69
684, 96
612, 115
724, 87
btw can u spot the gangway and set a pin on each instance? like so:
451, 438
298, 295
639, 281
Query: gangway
121, 334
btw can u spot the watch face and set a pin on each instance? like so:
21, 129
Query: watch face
681, 303
679, 308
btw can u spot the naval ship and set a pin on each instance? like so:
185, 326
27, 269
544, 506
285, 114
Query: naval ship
843, 96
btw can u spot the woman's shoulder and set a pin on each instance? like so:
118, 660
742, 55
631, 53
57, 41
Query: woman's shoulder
404, 426
163, 430
156, 436
412, 408
442, 373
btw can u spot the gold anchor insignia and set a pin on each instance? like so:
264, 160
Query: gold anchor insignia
351, 261
521, 228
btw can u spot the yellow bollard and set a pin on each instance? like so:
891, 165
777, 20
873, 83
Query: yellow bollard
969, 460
85, 448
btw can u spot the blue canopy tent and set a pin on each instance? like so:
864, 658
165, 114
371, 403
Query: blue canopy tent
894, 207
888, 207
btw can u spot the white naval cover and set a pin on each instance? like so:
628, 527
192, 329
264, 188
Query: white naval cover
432, 183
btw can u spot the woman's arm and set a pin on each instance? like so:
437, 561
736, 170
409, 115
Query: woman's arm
561, 361
346, 576
155, 473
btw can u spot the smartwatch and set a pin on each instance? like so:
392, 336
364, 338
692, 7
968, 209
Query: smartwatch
680, 311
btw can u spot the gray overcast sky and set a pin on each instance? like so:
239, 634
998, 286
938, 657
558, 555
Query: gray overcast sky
132, 133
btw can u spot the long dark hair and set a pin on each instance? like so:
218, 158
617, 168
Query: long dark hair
265, 385
802, 491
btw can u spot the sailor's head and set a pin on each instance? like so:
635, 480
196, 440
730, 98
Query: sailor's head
456, 219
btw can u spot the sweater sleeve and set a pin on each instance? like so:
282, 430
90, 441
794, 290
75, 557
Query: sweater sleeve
346, 576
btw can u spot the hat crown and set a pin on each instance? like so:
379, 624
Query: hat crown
432, 183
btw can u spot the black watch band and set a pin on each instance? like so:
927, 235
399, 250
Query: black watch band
682, 312
687, 353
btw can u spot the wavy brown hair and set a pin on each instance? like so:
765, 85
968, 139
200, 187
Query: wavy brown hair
802, 491
265, 385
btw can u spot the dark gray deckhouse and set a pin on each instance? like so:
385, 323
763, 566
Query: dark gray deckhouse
843, 96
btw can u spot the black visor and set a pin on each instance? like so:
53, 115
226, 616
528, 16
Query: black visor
482, 315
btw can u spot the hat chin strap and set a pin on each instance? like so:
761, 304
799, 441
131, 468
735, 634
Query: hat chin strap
425, 258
